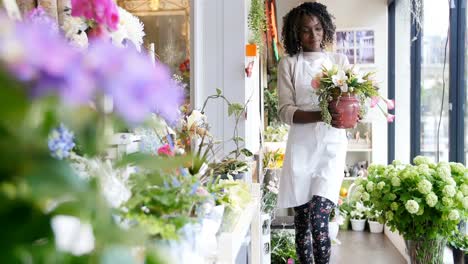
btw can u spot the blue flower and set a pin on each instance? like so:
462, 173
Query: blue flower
61, 142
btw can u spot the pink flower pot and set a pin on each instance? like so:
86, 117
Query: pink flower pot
347, 106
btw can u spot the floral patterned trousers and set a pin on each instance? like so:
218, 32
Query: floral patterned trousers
311, 219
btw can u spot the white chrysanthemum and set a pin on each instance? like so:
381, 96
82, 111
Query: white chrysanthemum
380, 185
74, 30
431, 199
454, 215
464, 189
465, 202
424, 186
449, 190
71, 235
370, 186
394, 206
129, 28
396, 181
412, 206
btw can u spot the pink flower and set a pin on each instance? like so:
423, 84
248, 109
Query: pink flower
102, 11
390, 118
165, 150
316, 83
390, 104
97, 32
374, 101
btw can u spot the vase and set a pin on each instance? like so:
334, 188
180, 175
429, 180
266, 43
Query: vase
426, 251
375, 227
459, 256
347, 106
333, 229
358, 224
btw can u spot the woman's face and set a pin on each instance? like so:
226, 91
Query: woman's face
310, 33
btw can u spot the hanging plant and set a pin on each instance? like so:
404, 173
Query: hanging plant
416, 11
257, 22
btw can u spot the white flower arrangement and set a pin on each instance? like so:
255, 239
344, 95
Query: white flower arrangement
129, 28
74, 29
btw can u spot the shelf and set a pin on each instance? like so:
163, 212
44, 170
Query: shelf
359, 150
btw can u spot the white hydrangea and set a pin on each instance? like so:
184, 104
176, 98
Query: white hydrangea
424, 186
447, 201
444, 172
380, 185
449, 190
420, 211
423, 169
457, 168
365, 196
464, 189
459, 196
391, 196
396, 181
412, 206
370, 186
389, 215
465, 202
394, 206
418, 160
454, 215
431, 199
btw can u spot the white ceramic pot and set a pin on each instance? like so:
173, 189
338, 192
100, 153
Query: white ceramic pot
375, 227
333, 229
358, 224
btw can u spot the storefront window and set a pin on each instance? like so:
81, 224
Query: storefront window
435, 81
167, 28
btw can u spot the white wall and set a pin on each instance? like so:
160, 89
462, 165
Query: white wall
220, 33
361, 14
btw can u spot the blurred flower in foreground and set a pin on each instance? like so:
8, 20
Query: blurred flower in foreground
61, 142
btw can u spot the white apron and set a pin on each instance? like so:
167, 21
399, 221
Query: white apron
315, 152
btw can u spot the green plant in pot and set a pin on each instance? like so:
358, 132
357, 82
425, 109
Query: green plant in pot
459, 244
345, 213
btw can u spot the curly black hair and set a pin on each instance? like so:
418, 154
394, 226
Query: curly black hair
292, 20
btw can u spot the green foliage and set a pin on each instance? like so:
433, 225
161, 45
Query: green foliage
257, 21
276, 133
270, 97
459, 240
283, 246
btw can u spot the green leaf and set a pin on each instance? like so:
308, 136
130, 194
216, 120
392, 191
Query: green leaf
218, 91
246, 152
158, 162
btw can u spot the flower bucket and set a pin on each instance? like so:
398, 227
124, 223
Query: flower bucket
426, 251
348, 108
375, 227
358, 224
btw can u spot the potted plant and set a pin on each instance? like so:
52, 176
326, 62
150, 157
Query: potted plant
344, 90
358, 216
424, 202
375, 219
345, 214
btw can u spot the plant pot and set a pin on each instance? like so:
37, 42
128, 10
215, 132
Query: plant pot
347, 106
333, 229
345, 225
375, 227
459, 256
426, 251
358, 224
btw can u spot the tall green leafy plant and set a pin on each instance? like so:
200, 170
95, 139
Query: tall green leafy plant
257, 21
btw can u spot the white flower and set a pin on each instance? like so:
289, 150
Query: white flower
389, 215
465, 202
380, 185
339, 79
464, 189
79, 40
71, 235
370, 186
394, 206
327, 64
74, 29
365, 196
129, 28
396, 181
418, 160
447, 201
196, 118
412, 206
424, 186
431, 199
454, 215
449, 190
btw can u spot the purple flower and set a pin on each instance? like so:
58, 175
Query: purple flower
39, 17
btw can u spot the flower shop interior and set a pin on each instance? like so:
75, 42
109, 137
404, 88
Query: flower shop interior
147, 131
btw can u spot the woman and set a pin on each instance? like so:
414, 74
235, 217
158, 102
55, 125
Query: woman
315, 153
